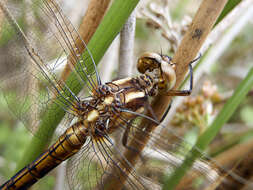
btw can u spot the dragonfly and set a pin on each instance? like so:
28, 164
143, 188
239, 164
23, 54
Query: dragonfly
95, 160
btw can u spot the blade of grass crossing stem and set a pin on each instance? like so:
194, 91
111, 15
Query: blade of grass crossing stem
228, 7
106, 32
241, 91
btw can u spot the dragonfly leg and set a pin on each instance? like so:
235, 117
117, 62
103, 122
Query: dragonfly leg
125, 136
125, 139
166, 112
185, 92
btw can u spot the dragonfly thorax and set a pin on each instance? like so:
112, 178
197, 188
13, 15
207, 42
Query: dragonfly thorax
126, 98
103, 113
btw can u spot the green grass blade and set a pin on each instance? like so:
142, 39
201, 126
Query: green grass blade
231, 4
229, 108
106, 32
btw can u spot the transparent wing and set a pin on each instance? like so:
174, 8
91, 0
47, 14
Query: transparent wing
106, 164
98, 162
36, 54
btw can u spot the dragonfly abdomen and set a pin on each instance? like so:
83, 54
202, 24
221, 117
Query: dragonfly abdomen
67, 145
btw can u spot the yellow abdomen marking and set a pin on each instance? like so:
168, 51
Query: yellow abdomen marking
108, 100
92, 115
134, 95
122, 81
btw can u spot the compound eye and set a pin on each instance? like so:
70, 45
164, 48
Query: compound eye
148, 61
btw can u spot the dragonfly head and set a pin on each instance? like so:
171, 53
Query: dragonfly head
162, 67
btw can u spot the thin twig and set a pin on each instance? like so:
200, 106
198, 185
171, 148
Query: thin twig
127, 47
1, 19
126, 60
109, 61
60, 178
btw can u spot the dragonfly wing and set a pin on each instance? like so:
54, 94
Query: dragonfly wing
104, 162
36, 54
95, 163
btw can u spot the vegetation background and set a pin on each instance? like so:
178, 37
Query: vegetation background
160, 26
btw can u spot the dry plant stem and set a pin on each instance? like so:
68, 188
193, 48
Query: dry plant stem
90, 22
201, 26
230, 19
194, 38
126, 60
126, 47
226, 159
60, 177
219, 45
246, 186
1, 19
242, 166
229, 157
109, 61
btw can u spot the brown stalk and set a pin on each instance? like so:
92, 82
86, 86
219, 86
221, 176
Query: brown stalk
90, 22
126, 47
230, 156
239, 160
188, 49
1, 19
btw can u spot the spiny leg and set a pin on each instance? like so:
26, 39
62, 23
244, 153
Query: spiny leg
185, 92
125, 139
166, 112
181, 92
